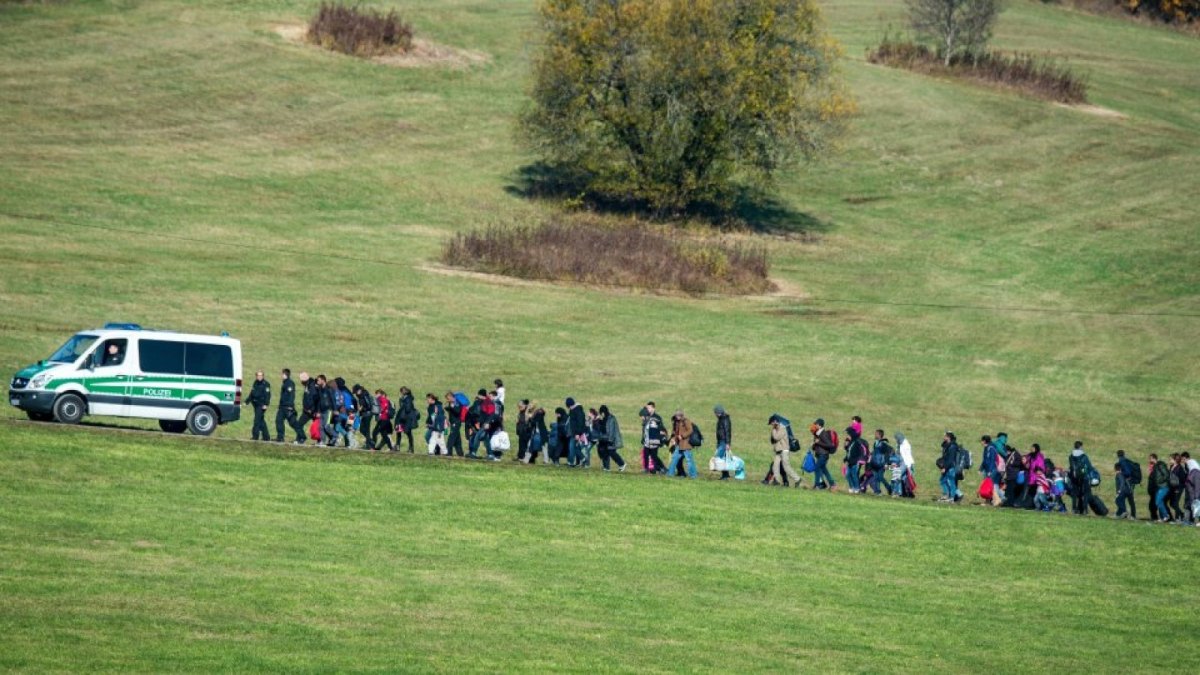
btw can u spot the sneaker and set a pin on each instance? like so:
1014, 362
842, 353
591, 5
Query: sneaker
621, 469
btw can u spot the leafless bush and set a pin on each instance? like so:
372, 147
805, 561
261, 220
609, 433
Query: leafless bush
1028, 73
627, 254
359, 31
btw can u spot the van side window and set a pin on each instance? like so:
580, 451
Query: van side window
111, 353
160, 356
208, 360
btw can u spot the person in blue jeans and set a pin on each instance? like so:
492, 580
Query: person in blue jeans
823, 446
681, 445
854, 457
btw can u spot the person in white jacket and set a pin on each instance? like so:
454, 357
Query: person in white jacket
905, 449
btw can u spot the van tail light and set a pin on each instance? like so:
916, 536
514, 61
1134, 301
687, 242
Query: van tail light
237, 393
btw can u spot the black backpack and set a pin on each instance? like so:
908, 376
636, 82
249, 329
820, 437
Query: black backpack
1135, 472
696, 439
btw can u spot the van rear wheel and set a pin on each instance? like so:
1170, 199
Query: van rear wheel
69, 409
202, 420
172, 426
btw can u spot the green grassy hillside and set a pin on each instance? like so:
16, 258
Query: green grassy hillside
971, 259
123, 552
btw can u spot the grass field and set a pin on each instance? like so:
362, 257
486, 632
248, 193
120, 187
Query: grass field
970, 260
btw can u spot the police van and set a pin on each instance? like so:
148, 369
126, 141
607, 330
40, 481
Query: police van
191, 382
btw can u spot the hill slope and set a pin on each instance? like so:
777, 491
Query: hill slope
972, 260
122, 552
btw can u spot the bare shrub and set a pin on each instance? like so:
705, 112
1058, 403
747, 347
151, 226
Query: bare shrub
626, 254
359, 31
1028, 73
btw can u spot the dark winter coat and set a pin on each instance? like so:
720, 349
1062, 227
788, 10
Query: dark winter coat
724, 429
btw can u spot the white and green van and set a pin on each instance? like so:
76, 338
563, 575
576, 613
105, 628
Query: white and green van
191, 382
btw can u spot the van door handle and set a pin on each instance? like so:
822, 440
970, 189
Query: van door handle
139, 378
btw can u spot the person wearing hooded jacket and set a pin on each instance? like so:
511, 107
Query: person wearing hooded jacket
724, 436
781, 464
906, 456
611, 442
1079, 472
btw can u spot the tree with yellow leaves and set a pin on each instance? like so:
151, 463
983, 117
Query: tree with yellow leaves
673, 103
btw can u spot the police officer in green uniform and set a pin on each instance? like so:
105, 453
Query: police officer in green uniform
260, 398
286, 411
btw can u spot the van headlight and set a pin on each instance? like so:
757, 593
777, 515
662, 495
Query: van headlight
38, 381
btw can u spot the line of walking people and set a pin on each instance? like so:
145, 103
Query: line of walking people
454, 424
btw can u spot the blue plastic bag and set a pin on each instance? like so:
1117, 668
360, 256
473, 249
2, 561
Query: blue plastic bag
810, 463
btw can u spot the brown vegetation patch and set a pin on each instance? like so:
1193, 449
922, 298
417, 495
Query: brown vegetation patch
422, 53
627, 254
1027, 73
359, 31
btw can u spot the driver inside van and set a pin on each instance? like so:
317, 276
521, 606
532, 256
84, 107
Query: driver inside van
113, 356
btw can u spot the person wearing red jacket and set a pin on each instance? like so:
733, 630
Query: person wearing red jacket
383, 427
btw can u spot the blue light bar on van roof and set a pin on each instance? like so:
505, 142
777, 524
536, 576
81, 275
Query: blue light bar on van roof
122, 326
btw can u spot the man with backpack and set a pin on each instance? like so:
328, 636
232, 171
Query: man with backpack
949, 464
683, 437
1080, 472
824, 444
782, 448
881, 452
1128, 475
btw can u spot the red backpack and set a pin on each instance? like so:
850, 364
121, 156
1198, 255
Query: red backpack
834, 438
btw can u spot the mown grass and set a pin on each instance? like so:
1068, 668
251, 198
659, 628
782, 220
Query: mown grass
143, 553
972, 260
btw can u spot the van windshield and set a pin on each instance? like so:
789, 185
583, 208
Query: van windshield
73, 349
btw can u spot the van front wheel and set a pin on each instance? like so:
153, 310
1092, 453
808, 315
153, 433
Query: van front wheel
69, 409
202, 420
172, 426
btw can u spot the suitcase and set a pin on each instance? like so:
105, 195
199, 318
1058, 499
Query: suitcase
1097, 506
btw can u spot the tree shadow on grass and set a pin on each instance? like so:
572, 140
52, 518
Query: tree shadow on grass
746, 208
